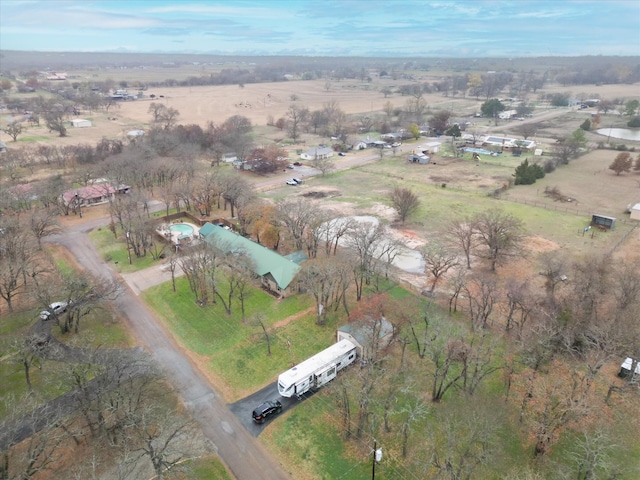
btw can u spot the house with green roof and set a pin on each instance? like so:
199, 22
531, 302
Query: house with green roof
275, 271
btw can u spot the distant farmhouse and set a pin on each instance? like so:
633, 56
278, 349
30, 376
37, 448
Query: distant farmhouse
93, 194
317, 153
56, 76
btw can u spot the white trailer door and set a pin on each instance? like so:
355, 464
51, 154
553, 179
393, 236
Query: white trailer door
325, 375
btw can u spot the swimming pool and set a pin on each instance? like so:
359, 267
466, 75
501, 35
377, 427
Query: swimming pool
479, 150
182, 229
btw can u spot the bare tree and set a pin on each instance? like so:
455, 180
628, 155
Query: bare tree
333, 230
457, 285
520, 304
14, 130
412, 412
557, 404
297, 215
592, 456
199, 265
259, 319
554, 265
526, 129
156, 110
462, 443
18, 260
295, 117
482, 295
626, 283
462, 233
479, 361
366, 240
23, 353
38, 454
446, 349
43, 223
168, 117
500, 234
404, 201
324, 164
438, 261
161, 436
327, 281
55, 119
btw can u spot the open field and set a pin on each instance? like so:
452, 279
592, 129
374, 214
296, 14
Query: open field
227, 348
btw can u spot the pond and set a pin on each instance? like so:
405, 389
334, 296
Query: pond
620, 133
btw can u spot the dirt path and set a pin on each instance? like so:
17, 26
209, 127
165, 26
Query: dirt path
245, 457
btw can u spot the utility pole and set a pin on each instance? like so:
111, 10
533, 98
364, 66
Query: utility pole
377, 456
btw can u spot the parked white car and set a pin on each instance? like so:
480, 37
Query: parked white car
55, 307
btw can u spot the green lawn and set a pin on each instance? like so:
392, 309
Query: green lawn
236, 349
114, 250
50, 378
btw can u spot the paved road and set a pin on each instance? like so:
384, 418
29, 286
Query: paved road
245, 457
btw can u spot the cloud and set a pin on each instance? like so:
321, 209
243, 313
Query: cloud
168, 31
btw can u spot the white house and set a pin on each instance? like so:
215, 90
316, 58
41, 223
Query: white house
229, 157
635, 212
507, 143
317, 153
80, 123
429, 148
507, 114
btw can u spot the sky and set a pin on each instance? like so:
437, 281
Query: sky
372, 28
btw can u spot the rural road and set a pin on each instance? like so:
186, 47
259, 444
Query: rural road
245, 457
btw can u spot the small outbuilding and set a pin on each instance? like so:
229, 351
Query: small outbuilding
80, 123
635, 212
368, 335
602, 221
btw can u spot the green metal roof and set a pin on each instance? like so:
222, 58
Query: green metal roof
265, 261
206, 229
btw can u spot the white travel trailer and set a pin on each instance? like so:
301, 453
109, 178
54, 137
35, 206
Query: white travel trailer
314, 372
626, 368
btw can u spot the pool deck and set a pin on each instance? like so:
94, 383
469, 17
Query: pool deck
176, 236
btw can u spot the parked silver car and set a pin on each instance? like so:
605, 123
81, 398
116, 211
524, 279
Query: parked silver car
55, 307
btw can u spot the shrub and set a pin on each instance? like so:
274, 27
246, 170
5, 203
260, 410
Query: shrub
527, 174
549, 166
634, 122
